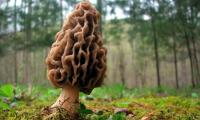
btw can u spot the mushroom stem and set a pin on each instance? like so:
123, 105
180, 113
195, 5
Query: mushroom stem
68, 99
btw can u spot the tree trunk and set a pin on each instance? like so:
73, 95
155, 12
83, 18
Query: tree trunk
144, 72
26, 54
175, 63
185, 21
194, 53
135, 70
99, 7
196, 64
15, 51
6, 19
61, 12
121, 65
190, 57
156, 52
15, 71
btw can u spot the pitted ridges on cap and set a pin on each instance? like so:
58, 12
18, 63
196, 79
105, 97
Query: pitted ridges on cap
77, 56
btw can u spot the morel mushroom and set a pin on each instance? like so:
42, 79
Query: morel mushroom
77, 59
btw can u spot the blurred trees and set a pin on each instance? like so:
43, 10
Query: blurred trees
27, 26
156, 30
188, 18
169, 26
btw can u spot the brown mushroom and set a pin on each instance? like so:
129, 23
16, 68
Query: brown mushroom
77, 59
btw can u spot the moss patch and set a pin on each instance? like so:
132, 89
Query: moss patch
166, 108
103, 104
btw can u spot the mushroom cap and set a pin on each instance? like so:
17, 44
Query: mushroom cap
77, 56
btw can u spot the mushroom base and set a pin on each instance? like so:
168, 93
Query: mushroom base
69, 100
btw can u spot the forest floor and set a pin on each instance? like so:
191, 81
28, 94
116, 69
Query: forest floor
106, 103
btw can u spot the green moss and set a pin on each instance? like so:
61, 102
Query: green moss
151, 105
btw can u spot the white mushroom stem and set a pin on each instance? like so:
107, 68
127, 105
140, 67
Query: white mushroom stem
68, 99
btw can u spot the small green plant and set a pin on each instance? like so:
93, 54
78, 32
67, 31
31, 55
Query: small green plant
6, 91
83, 110
6, 96
117, 116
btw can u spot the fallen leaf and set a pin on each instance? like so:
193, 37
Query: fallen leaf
148, 117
